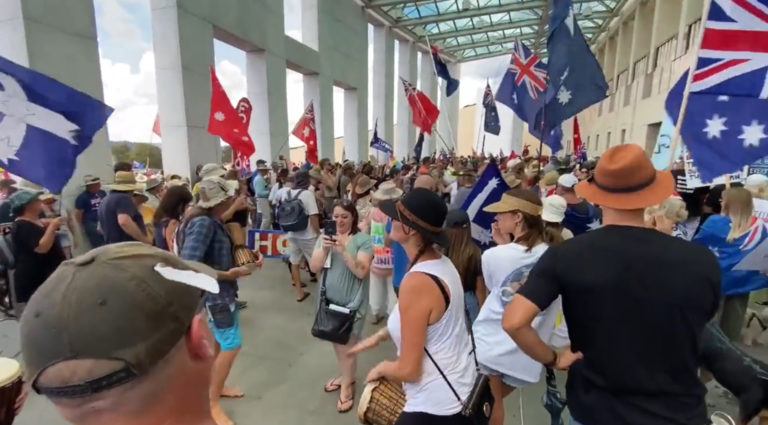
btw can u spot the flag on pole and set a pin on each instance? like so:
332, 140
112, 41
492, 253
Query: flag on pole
225, 122
724, 124
44, 125
576, 135
441, 69
424, 111
306, 131
491, 124
242, 161
156, 125
417, 148
576, 80
379, 144
489, 188
523, 88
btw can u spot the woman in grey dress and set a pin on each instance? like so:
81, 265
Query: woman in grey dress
346, 281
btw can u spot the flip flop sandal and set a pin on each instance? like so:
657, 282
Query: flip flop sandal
333, 385
303, 285
306, 295
351, 402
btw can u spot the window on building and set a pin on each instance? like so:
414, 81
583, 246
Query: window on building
691, 32
623, 135
597, 143
608, 141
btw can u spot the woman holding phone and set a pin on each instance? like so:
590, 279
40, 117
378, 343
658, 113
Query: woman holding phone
344, 254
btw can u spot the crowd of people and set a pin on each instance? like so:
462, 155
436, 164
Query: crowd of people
604, 268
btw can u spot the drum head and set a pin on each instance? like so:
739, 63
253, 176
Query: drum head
10, 370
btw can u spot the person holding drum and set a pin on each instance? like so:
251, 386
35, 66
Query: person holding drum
346, 283
428, 319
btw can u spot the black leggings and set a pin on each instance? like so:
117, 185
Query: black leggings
420, 418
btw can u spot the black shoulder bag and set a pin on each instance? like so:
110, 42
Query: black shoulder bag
331, 324
479, 404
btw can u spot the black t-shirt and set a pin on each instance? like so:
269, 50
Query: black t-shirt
114, 204
240, 217
636, 302
32, 268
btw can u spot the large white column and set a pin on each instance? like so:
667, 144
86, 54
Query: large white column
266, 79
448, 121
183, 86
383, 81
33, 34
319, 89
406, 131
354, 149
429, 87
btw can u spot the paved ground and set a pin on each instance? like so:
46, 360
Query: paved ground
282, 368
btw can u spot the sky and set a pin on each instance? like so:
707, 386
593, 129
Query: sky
128, 70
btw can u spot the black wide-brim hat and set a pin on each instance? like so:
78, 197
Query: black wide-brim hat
422, 210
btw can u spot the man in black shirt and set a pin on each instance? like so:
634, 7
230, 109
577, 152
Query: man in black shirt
635, 300
119, 219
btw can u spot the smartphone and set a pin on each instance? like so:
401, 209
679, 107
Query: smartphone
329, 228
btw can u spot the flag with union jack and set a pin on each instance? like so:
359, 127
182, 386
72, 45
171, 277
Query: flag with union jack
724, 124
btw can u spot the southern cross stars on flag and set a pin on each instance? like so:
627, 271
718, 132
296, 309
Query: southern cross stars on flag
491, 124
724, 124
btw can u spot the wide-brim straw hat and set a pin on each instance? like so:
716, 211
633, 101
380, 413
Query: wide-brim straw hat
422, 210
364, 184
625, 179
152, 183
387, 190
125, 181
89, 179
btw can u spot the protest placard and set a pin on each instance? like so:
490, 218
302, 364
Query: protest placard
271, 243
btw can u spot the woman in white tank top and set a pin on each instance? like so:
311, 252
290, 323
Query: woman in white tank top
431, 303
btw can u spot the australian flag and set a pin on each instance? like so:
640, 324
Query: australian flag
724, 124
523, 88
44, 125
492, 124
488, 189
441, 69
379, 144
576, 80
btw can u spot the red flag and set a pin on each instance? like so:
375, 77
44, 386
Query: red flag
225, 122
576, 135
306, 132
424, 111
241, 161
156, 126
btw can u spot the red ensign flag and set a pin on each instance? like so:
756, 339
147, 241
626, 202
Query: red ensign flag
576, 135
306, 132
225, 122
424, 111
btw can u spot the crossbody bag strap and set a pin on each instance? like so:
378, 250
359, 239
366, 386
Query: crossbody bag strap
447, 300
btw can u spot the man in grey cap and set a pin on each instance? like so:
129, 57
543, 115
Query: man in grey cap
135, 351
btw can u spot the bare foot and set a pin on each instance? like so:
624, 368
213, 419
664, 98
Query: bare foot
232, 392
219, 416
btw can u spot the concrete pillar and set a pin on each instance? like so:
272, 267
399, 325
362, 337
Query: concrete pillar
32, 35
353, 147
183, 86
429, 87
309, 23
516, 141
383, 82
406, 131
266, 79
319, 89
666, 23
690, 11
448, 121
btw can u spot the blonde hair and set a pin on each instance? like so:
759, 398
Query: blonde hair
759, 192
737, 204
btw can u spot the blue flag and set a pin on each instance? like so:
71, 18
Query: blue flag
491, 124
713, 235
379, 144
488, 189
576, 80
523, 90
44, 125
419, 145
724, 124
138, 165
441, 69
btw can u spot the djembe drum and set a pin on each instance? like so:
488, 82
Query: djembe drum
10, 388
381, 403
240, 252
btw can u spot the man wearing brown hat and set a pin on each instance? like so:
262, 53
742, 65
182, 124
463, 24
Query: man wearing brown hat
119, 218
635, 300
87, 209
134, 350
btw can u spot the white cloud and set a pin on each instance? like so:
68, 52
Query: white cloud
117, 22
233, 80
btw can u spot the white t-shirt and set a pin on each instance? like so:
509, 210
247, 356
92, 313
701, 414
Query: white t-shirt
505, 270
761, 208
309, 202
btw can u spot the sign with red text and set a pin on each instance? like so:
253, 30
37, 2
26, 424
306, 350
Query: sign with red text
270, 243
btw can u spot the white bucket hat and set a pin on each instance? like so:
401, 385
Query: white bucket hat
213, 191
554, 209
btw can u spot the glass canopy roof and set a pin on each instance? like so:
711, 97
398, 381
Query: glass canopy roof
467, 30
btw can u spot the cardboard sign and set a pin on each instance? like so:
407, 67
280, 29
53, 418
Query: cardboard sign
271, 243
759, 167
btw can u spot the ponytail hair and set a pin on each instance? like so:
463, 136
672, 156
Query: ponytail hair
534, 225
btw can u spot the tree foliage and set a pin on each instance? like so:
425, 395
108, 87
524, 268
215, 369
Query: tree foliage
148, 154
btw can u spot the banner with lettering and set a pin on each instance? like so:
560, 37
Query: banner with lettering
270, 243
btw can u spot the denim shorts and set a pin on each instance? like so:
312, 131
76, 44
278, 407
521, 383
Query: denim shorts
509, 380
225, 324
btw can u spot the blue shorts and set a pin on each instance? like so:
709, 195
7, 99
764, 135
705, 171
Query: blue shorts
225, 324
507, 379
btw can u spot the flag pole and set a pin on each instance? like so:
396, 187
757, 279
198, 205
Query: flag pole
480, 125
437, 81
686, 91
482, 150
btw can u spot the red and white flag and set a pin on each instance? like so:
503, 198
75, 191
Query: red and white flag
242, 161
576, 135
424, 111
306, 131
156, 126
225, 122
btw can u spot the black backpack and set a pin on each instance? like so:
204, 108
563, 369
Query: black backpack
291, 214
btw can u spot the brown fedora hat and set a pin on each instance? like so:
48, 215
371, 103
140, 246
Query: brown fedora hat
626, 180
